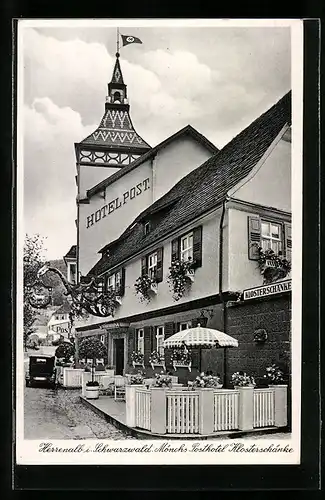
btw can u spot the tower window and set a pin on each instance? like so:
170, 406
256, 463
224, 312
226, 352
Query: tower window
117, 97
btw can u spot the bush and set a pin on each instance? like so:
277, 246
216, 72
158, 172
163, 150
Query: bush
92, 383
92, 348
65, 351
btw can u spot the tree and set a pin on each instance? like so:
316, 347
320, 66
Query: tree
65, 351
33, 260
92, 348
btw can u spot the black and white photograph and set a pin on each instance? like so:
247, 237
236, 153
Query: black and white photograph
159, 243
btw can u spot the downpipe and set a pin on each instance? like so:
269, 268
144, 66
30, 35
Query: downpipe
224, 309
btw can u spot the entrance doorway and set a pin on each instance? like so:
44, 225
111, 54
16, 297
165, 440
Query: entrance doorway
119, 356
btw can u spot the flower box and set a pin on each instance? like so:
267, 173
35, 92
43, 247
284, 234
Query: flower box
190, 275
154, 288
118, 299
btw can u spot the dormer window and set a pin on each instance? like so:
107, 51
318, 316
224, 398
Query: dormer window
146, 228
117, 97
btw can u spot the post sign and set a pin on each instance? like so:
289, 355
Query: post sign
264, 291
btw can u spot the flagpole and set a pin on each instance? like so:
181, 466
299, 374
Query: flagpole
117, 40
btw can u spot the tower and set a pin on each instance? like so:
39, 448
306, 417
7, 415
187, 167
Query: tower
115, 143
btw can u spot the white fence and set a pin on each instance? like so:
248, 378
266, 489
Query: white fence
226, 410
143, 408
72, 377
182, 412
205, 411
264, 410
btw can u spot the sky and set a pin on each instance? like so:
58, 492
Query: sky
216, 79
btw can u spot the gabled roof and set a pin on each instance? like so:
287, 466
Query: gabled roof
72, 254
204, 188
188, 130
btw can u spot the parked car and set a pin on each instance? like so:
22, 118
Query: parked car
42, 370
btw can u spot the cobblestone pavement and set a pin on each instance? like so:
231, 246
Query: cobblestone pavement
59, 414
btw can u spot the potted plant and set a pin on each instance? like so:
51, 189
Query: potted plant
205, 381
136, 379
274, 375
92, 348
137, 358
145, 286
181, 272
241, 379
272, 266
65, 352
163, 380
156, 359
181, 358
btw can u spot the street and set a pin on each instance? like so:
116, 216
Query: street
59, 414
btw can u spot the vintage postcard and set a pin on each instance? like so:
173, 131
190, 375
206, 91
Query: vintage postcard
159, 241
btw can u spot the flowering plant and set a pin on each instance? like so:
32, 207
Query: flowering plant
274, 374
178, 276
181, 357
241, 379
136, 379
163, 380
137, 358
273, 266
155, 358
205, 381
143, 285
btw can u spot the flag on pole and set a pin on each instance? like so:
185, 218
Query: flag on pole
128, 39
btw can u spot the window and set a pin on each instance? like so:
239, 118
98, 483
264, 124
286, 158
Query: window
114, 281
57, 318
187, 247
140, 340
271, 236
72, 274
152, 264
160, 337
102, 339
185, 326
147, 228
62, 317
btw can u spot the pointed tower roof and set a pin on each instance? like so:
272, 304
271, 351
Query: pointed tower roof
117, 72
116, 130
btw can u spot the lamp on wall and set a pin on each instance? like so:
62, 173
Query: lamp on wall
260, 336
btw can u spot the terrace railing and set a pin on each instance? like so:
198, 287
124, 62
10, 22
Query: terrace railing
205, 411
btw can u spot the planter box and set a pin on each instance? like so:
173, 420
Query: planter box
72, 377
190, 275
154, 288
92, 392
118, 299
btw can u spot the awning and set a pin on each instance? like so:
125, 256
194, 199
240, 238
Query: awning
200, 337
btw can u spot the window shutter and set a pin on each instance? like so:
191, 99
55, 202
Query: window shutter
197, 246
175, 249
144, 265
153, 339
122, 286
147, 343
177, 327
131, 343
287, 241
195, 357
254, 237
160, 256
169, 329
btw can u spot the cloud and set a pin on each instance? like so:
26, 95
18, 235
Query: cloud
219, 84
49, 171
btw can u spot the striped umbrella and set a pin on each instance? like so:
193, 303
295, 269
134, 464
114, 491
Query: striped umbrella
203, 338
200, 337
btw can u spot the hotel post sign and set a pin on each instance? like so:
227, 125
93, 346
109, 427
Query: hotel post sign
265, 291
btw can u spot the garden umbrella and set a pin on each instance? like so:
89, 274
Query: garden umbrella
201, 337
